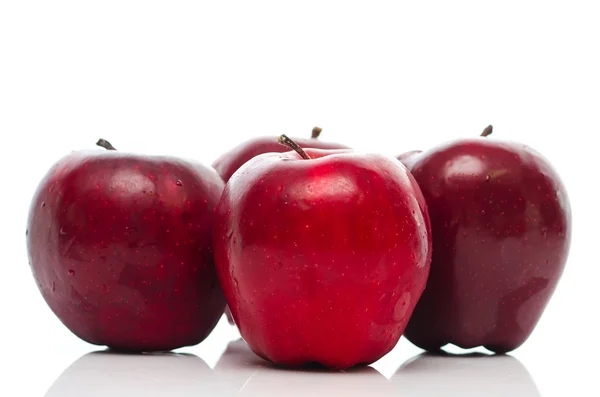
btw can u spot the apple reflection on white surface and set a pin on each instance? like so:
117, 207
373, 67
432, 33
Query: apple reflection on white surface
149, 375
252, 376
464, 375
240, 372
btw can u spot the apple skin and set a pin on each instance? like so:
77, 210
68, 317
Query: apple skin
228, 163
232, 160
120, 246
322, 260
408, 158
501, 225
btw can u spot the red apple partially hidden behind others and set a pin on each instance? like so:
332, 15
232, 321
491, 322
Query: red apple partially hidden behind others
322, 255
120, 246
229, 162
501, 225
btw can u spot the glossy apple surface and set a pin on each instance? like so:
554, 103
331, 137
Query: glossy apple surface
501, 226
230, 161
322, 260
120, 248
408, 158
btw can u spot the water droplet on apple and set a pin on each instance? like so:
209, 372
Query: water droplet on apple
43, 204
71, 272
179, 183
487, 178
62, 231
26, 233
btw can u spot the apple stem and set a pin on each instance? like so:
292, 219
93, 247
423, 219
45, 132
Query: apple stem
316, 132
105, 144
487, 131
285, 141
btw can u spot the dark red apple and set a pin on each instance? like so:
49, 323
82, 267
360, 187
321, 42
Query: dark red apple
322, 256
501, 225
120, 246
229, 162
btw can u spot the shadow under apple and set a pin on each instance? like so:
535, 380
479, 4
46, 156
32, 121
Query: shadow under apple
473, 374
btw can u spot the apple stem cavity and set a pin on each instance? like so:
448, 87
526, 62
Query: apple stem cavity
105, 144
487, 131
316, 132
286, 141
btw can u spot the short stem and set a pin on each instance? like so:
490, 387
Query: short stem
487, 131
105, 144
285, 141
316, 132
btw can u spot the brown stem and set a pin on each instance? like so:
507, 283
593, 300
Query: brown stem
316, 132
285, 141
105, 144
487, 131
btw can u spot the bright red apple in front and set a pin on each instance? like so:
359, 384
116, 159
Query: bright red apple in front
228, 163
322, 259
501, 225
120, 246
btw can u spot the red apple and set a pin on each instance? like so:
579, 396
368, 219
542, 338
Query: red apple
409, 157
120, 246
322, 256
229, 162
501, 225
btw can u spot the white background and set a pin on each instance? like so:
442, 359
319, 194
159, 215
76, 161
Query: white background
194, 78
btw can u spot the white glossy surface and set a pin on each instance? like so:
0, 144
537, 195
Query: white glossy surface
224, 366
239, 371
